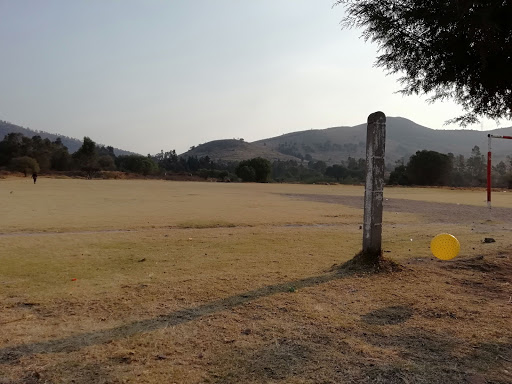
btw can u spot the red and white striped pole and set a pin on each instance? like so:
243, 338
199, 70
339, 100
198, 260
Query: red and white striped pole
489, 167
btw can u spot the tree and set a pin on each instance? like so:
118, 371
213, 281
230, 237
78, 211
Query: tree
41, 150
61, 159
24, 164
10, 147
106, 163
456, 49
337, 171
500, 168
459, 174
399, 176
429, 168
476, 167
137, 164
261, 169
246, 173
319, 166
499, 176
88, 148
86, 158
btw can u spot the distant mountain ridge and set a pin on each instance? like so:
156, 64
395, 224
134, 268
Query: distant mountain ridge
71, 143
333, 145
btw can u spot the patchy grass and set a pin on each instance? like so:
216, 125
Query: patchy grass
228, 283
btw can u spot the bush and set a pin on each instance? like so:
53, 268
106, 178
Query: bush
24, 164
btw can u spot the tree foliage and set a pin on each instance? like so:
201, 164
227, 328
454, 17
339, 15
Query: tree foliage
24, 164
86, 158
476, 166
429, 168
106, 163
246, 173
399, 176
352, 172
137, 164
456, 49
257, 169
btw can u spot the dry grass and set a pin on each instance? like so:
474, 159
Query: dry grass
233, 283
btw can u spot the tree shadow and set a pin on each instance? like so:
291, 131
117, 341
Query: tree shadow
76, 342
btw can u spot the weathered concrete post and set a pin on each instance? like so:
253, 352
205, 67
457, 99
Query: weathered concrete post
375, 151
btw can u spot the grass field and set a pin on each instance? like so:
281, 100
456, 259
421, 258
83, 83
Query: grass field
141, 281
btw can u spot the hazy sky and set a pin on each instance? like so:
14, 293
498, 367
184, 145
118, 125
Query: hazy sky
148, 75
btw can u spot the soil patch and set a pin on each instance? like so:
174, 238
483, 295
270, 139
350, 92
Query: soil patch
388, 315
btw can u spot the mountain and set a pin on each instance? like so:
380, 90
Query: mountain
332, 145
235, 150
69, 142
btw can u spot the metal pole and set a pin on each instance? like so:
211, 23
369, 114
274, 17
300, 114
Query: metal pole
375, 150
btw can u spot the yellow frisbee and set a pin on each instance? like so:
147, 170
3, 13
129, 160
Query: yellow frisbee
445, 246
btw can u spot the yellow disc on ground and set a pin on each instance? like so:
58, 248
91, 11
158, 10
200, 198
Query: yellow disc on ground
445, 246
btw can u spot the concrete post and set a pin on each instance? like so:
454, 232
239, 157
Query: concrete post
375, 151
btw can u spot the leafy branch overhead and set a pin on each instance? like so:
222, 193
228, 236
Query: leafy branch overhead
460, 49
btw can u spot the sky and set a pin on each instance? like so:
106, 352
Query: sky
151, 75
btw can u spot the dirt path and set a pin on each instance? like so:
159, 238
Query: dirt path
433, 212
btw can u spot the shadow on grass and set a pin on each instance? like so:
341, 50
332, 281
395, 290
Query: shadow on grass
76, 342
401, 355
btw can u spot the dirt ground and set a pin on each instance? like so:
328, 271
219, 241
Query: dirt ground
431, 212
252, 296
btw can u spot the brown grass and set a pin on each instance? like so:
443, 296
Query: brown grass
160, 282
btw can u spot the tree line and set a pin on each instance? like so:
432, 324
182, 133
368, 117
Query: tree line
19, 153
434, 168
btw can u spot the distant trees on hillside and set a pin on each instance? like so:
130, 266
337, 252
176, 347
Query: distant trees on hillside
434, 168
19, 153
306, 151
15, 145
48, 155
351, 171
